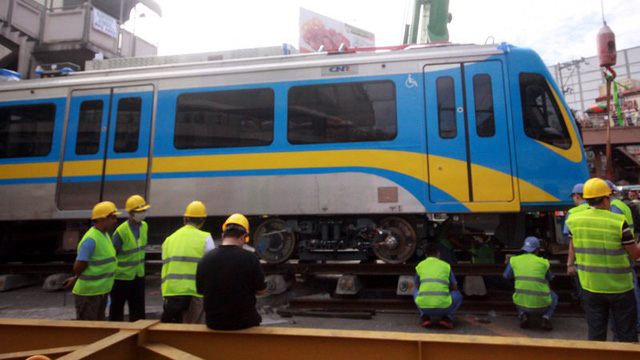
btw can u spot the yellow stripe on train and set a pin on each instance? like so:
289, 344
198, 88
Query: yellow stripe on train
451, 180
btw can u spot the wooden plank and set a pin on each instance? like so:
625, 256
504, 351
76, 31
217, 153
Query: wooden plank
55, 352
163, 351
121, 344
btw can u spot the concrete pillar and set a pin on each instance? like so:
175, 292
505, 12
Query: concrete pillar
24, 57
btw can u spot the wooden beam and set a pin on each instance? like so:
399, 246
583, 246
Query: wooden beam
163, 351
51, 352
121, 345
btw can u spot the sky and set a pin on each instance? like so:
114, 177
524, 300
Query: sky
559, 30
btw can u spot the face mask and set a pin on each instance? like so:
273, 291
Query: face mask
139, 216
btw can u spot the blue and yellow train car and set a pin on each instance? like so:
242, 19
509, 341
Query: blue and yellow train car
327, 153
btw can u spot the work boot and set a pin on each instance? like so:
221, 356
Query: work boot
546, 323
524, 321
426, 321
446, 323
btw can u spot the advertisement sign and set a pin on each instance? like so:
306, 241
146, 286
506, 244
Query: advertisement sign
317, 30
105, 23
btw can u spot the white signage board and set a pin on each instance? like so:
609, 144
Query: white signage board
317, 30
105, 23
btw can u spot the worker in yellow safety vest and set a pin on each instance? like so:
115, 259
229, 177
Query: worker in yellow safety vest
603, 243
181, 252
532, 295
95, 265
436, 295
130, 240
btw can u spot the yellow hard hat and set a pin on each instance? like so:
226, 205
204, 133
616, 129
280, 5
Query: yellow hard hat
237, 219
595, 188
104, 209
136, 203
196, 210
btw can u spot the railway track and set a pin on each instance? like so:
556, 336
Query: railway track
155, 266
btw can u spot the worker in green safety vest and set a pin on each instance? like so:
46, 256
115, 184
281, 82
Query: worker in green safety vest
580, 205
181, 252
603, 243
619, 207
436, 290
95, 265
130, 240
532, 295
482, 250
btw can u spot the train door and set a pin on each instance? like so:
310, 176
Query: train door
106, 154
468, 149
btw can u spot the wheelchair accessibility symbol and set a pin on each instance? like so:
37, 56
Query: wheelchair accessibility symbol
410, 82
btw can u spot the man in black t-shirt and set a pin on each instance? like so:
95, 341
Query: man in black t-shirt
230, 277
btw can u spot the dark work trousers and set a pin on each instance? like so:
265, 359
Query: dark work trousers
131, 292
623, 309
90, 307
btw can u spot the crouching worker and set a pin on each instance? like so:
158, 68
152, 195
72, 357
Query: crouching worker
436, 295
532, 295
230, 277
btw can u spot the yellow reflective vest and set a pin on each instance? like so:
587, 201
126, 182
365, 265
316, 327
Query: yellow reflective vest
602, 262
433, 292
181, 253
97, 278
531, 288
132, 254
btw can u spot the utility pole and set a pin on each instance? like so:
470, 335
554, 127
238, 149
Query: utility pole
429, 19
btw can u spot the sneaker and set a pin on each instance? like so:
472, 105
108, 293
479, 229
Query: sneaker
524, 321
446, 323
546, 323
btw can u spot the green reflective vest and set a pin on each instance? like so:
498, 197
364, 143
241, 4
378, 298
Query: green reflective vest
180, 255
97, 278
532, 289
576, 209
131, 255
433, 292
482, 254
603, 264
626, 210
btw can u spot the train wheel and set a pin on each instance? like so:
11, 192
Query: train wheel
400, 245
272, 243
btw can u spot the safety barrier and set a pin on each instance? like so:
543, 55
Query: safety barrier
149, 339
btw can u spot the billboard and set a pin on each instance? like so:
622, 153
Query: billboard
317, 30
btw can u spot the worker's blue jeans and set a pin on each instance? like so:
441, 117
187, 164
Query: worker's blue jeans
545, 311
449, 312
622, 307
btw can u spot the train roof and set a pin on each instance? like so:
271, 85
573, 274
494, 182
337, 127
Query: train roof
431, 52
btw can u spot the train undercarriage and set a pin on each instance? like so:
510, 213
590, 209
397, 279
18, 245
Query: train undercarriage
392, 239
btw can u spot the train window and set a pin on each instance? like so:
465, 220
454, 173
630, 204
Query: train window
340, 113
483, 100
127, 125
541, 113
89, 124
219, 119
446, 97
26, 130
